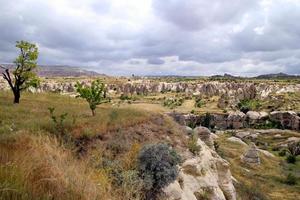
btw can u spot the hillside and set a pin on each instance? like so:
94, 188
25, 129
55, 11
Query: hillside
61, 71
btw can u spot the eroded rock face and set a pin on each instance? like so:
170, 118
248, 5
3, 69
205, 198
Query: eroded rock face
207, 174
287, 119
239, 120
205, 135
251, 156
236, 120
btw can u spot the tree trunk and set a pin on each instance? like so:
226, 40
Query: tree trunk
93, 112
17, 96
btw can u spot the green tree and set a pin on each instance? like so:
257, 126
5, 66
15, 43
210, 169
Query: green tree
24, 74
94, 94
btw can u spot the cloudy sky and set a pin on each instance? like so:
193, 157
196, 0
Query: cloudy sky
158, 37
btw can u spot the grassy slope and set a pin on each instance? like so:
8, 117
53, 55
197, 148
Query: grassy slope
268, 178
33, 165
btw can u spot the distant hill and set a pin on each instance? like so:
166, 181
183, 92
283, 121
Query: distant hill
277, 75
61, 71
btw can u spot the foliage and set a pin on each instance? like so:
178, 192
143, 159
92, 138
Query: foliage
173, 102
291, 159
291, 179
207, 120
268, 124
193, 145
23, 76
282, 152
157, 165
94, 94
249, 105
59, 123
199, 102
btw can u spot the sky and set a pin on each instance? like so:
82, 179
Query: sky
157, 37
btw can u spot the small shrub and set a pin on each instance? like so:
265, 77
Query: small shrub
290, 179
282, 153
249, 104
199, 102
173, 102
193, 146
207, 120
157, 166
59, 124
216, 145
291, 159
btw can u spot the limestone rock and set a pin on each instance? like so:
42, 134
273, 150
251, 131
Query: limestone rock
207, 173
287, 119
251, 156
236, 140
236, 120
205, 135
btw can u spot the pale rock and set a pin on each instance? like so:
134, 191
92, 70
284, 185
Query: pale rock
236, 140
208, 170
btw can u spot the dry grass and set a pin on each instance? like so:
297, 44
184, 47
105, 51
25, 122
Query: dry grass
34, 165
44, 170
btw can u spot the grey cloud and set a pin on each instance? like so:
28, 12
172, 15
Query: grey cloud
155, 61
206, 37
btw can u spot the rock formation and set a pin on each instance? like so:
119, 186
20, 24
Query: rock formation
251, 155
204, 175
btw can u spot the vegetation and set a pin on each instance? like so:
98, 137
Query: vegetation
291, 179
199, 102
193, 145
94, 94
100, 161
23, 76
157, 167
249, 105
173, 102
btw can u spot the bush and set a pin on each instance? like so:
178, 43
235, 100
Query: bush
282, 153
173, 102
207, 120
157, 166
291, 159
248, 104
290, 179
192, 144
199, 102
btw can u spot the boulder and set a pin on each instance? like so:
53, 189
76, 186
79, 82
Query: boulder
242, 134
236, 140
251, 155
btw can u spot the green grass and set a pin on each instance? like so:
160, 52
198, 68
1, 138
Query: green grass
32, 114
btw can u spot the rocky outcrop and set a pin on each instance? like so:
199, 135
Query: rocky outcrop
254, 117
204, 175
287, 119
251, 155
236, 120
205, 135
239, 120
230, 92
